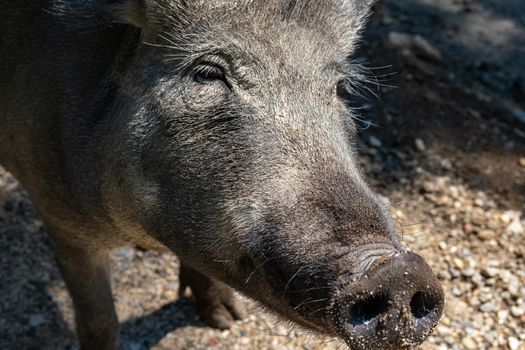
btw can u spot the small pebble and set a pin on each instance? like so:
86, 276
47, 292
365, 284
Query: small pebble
517, 311
488, 307
374, 141
420, 145
514, 343
469, 343
36, 320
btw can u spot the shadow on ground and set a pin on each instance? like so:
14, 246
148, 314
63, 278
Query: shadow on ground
35, 310
468, 106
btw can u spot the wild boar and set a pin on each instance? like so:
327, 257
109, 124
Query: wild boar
218, 130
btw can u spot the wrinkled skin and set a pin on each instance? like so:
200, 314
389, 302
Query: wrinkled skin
215, 129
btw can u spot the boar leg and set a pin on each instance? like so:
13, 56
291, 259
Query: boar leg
214, 300
87, 275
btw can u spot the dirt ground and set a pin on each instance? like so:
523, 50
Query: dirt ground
442, 137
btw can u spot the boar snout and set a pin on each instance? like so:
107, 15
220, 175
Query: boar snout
394, 305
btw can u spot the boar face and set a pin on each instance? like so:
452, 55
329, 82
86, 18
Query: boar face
235, 149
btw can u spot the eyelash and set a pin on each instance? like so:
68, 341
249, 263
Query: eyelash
209, 71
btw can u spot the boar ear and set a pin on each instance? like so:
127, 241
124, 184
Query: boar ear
358, 9
359, 5
87, 13
129, 11
356, 14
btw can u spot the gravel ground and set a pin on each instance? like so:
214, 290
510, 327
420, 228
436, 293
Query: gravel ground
449, 155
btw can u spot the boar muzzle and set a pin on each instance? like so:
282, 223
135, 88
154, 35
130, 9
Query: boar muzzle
394, 305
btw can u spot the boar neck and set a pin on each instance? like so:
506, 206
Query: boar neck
71, 74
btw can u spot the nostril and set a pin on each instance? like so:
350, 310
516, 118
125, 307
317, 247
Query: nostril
364, 311
421, 305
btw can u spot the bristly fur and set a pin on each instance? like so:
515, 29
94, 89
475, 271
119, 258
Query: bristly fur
345, 16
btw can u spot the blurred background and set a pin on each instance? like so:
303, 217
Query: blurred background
442, 136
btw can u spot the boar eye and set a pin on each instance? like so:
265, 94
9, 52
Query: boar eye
209, 72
